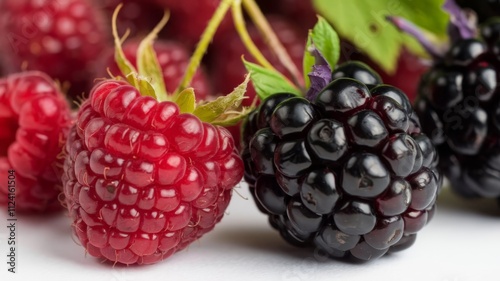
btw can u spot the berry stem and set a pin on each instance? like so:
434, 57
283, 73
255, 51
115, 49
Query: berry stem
272, 39
203, 44
423, 37
240, 25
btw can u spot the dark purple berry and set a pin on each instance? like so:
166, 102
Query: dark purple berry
443, 88
292, 117
302, 219
364, 252
466, 50
327, 140
367, 128
423, 189
350, 173
459, 108
414, 221
395, 200
342, 95
268, 106
387, 232
402, 153
319, 192
270, 195
365, 176
292, 158
394, 93
481, 81
393, 114
490, 31
262, 147
404, 243
355, 218
290, 186
358, 71
332, 239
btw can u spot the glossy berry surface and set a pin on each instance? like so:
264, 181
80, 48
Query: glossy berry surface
349, 172
459, 107
141, 180
34, 122
173, 59
61, 38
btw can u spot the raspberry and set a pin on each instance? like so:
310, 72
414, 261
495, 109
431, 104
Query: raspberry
349, 172
459, 105
60, 38
136, 16
295, 10
173, 59
34, 122
199, 13
141, 180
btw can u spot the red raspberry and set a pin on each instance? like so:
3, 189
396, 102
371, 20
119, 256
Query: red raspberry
141, 180
34, 121
300, 11
189, 19
137, 16
60, 38
173, 59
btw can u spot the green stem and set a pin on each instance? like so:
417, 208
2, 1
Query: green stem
272, 39
205, 40
239, 23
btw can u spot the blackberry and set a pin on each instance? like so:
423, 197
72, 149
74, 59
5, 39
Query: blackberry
349, 172
459, 106
484, 9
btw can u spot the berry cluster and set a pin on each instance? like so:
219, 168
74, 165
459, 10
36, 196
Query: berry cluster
350, 171
459, 107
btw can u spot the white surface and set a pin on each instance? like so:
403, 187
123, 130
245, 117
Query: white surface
461, 243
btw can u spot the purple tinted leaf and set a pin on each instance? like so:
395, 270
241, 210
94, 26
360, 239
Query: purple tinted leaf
319, 58
462, 25
320, 77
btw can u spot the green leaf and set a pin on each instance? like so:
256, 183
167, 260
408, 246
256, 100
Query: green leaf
268, 82
326, 41
213, 110
186, 100
308, 61
233, 118
143, 85
363, 24
147, 61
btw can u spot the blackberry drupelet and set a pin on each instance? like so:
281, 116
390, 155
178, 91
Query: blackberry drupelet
459, 106
349, 172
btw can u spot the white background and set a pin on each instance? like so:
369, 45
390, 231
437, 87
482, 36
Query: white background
461, 243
